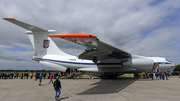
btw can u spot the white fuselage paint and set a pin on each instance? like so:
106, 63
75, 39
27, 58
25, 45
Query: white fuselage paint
61, 62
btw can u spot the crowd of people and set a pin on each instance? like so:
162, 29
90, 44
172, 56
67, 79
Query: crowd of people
26, 75
55, 75
161, 75
156, 73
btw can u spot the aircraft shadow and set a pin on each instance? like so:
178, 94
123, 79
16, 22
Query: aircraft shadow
105, 86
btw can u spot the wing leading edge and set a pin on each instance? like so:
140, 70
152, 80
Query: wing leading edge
96, 49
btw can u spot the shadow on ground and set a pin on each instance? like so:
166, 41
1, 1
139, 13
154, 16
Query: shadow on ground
105, 86
64, 98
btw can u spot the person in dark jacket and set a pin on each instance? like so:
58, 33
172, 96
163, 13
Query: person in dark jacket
57, 88
152, 75
2, 75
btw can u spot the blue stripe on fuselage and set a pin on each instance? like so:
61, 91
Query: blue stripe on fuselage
163, 63
70, 62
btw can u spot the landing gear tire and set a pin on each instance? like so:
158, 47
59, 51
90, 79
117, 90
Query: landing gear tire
114, 77
108, 77
103, 77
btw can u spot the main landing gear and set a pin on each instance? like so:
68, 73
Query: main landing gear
108, 77
136, 75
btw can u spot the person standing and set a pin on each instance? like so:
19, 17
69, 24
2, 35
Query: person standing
44, 75
160, 75
178, 73
2, 75
24, 75
51, 77
156, 74
54, 75
152, 75
163, 75
21, 75
27, 75
167, 75
57, 88
36, 74
17, 75
73, 76
31, 75
40, 78
7, 75
91, 77
14, 75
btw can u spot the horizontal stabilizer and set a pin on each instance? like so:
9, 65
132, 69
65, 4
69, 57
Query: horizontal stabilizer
25, 25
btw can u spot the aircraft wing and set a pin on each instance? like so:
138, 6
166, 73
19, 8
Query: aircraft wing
96, 49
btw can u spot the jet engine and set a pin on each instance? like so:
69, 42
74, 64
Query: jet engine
138, 63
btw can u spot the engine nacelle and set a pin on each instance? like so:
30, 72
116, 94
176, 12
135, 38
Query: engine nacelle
139, 63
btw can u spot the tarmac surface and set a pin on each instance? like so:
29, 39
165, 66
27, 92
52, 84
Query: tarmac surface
122, 89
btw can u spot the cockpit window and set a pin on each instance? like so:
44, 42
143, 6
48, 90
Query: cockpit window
168, 60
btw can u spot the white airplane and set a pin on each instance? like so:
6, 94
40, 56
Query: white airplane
99, 59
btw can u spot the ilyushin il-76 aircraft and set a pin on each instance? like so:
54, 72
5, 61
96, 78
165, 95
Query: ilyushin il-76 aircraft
99, 59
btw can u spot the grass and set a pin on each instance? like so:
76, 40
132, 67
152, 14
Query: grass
85, 75
124, 75
127, 75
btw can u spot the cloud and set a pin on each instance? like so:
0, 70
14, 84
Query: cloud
149, 28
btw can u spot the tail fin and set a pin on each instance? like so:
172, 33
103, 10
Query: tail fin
41, 43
